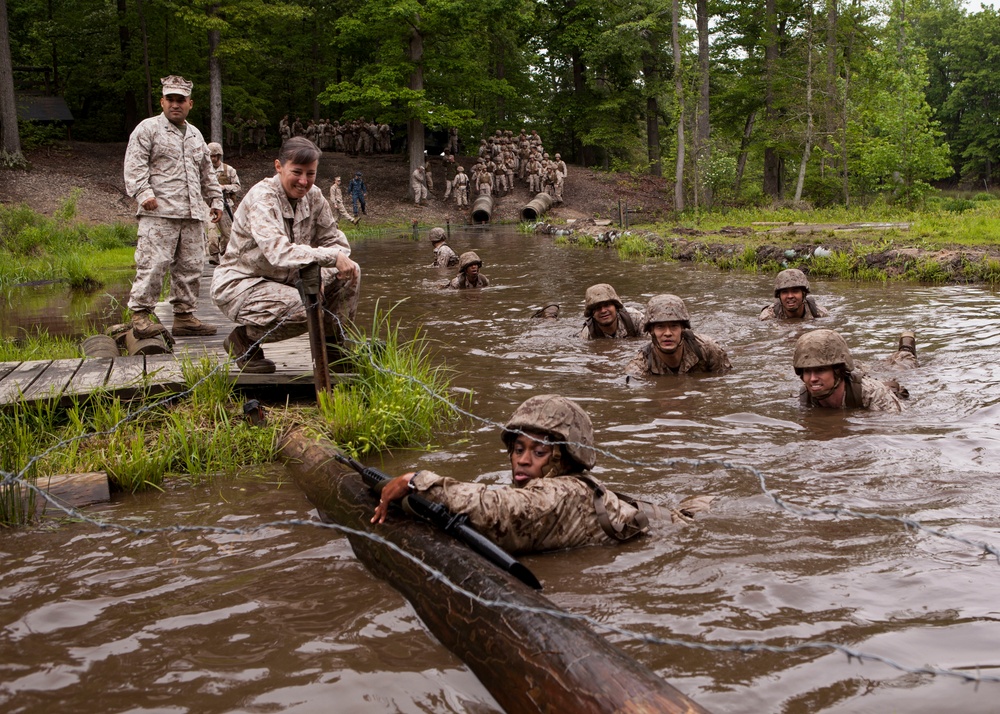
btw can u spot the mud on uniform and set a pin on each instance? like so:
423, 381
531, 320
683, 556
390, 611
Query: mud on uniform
701, 354
592, 331
172, 165
255, 283
444, 257
546, 514
461, 283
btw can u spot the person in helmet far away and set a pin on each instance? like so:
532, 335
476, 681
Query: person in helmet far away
444, 256
553, 502
792, 299
468, 273
831, 378
673, 347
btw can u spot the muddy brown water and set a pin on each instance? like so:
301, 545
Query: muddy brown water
286, 620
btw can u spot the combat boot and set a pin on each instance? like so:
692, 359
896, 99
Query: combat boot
249, 357
908, 342
144, 325
187, 325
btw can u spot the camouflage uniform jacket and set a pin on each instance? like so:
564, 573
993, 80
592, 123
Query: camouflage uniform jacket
621, 331
547, 514
270, 241
777, 311
444, 257
172, 166
229, 180
701, 354
870, 394
461, 283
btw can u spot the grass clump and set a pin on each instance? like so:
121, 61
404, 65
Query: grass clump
38, 345
35, 247
398, 397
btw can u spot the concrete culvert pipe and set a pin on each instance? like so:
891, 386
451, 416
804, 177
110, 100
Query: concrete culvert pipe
482, 209
536, 207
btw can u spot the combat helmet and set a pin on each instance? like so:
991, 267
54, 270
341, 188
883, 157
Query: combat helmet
597, 294
437, 235
215, 149
791, 278
821, 348
467, 259
665, 308
558, 418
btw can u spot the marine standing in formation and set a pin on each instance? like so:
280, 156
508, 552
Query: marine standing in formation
169, 173
284, 224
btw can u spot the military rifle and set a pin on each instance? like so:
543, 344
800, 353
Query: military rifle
454, 524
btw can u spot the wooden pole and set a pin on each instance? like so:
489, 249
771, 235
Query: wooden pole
530, 662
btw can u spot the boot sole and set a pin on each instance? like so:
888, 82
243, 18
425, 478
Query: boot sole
194, 331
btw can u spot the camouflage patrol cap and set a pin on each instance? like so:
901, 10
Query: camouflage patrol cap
559, 419
175, 84
436, 235
215, 149
665, 308
467, 259
460, 169
597, 294
791, 278
821, 348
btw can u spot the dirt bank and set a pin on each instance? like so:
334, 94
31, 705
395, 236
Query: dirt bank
96, 170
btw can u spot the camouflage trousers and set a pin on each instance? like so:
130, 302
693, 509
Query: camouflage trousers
173, 244
217, 236
274, 311
461, 197
419, 191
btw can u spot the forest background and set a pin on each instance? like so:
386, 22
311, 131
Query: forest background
828, 103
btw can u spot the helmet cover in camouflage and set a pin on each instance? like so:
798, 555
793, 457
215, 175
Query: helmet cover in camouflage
558, 418
215, 149
821, 348
437, 235
791, 278
467, 259
665, 308
597, 294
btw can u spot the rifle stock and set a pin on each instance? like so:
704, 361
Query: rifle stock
455, 525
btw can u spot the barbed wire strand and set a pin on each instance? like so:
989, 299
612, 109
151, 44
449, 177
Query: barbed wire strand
11, 478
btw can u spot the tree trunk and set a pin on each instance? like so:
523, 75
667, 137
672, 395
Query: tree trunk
741, 163
10, 137
679, 92
501, 74
809, 112
414, 126
586, 154
530, 661
650, 75
145, 58
129, 104
845, 109
772, 161
214, 81
830, 108
703, 151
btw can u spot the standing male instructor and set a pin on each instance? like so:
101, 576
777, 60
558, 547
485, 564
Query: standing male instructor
169, 173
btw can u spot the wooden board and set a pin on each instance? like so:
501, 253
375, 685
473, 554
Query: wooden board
92, 375
76, 490
164, 374
19, 379
53, 381
126, 376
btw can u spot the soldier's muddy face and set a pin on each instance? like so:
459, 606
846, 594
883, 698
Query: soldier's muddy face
819, 380
176, 107
529, 456
296, 179
605, 314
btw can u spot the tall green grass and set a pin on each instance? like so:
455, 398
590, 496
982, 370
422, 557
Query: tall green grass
38, 345
36, 247
398, 397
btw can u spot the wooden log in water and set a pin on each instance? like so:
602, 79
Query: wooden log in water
529, 661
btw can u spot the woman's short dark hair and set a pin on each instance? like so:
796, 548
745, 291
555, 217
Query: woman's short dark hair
298, 150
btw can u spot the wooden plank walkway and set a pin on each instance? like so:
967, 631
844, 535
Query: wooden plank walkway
68, 379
